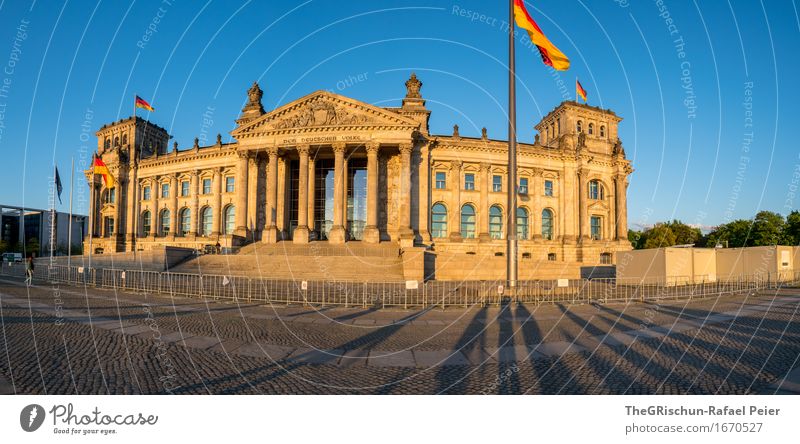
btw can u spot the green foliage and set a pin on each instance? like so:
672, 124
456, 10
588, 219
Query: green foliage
3, 246
791, 230
635, 238
659, 236
32, 247
684, 234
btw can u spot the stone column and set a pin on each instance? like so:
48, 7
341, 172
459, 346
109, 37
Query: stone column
535, 220
566, 197
337, 235
406, 233
90, 220
371, 232
132, 208
173, 207
424, 209
270, 234
622, 208
454, 210
118, 212
301, 232
483, 211
216, 198
252, 193
312, 191
240, 188
583, 223
280, 203
194, 203
155, 220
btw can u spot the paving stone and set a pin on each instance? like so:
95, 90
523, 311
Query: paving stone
478, 356
354, 358
227, 346
312, 356
402, 358
439, 358
512, 353
200, 342
622, 338
175, 337
135, 329
557, 348
267, 351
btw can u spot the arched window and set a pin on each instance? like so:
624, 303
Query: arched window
107, 143
591, 129
124, 139
164, 222
547, 224
596, 190
186, 222
206, 219
522, 223
468, 222
553, 130
602, 131
229, 219
439, 221
146, 223
495, 222
579, 126
116, 141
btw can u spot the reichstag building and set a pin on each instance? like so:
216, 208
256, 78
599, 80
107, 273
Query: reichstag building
328, 168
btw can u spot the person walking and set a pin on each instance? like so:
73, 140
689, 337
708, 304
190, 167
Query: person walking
29, 271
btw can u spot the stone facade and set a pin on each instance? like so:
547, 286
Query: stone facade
327, 167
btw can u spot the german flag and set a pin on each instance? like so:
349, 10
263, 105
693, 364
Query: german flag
141, 103
579, 91
551, 56
98, 167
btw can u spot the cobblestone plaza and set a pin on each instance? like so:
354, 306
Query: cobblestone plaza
68, 340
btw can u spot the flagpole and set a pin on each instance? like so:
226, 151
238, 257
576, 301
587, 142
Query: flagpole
69, 230
91, 212
511, 235
53, 213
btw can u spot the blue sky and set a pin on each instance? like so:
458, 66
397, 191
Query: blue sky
707, 89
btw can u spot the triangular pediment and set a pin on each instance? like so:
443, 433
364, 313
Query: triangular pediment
321, 110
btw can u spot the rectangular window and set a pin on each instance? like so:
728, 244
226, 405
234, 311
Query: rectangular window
145, 193
164, 190
497, 184
206, 186
548, 187
441, 180
109, 228
112, 195
523, 185
596, 223
229, 185
185, 188
469, 181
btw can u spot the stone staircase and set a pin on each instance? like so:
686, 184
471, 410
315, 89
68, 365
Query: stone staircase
317, 261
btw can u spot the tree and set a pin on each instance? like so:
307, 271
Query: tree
684, 234
733, 234
3, 246
791, 230
635, 238
768, 228
659, 236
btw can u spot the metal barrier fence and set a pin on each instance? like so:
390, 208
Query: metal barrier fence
396, 294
